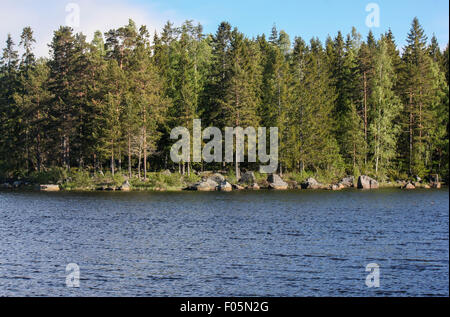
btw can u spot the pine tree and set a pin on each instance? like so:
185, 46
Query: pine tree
109, 128
10, 120
421, 91
312, 111
147, 96
242, 95
26, 66
366, 71
275, 86
385, 111
219, 76
34, 101
350, 127
62, 111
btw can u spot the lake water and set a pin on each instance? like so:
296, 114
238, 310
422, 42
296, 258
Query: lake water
305, 243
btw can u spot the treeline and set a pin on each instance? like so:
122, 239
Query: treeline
347, 106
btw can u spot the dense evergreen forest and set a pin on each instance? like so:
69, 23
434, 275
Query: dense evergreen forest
346, 106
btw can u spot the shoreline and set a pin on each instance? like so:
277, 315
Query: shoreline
210, 182
32, 188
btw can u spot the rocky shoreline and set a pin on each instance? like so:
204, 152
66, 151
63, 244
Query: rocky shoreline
217, 182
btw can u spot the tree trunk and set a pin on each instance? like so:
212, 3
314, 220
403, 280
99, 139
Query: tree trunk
145, 154
411, 121
112, 159
120, 159
38, 152
129, 156
140, 160
365, 115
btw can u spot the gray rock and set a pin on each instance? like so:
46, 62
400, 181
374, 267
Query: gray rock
347, 182
49, 188
225, 187
293, 185
311, 183
254, 187
6, 186
436, 185
277, 183
248, 178
366, 182
217, 178
17, 184
167, 173
336, 187
126, 187
409, 186
206, 185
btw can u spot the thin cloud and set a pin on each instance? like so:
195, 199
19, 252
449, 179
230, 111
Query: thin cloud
46, 16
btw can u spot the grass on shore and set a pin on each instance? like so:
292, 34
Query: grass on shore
82, 180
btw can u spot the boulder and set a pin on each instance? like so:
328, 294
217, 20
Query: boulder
366, 182
277, 183
202, 187
217, 178
167, 173
213, 184
254, 187
206, 185
6, 186
436, 185
347, 182
293, 185
409, 186
17, 184
238, 187
426, 186
248, 178
311, 183
49, 188
126, 187
225, 187
336, 187
264, 184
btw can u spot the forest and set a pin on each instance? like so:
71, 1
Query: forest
349, 106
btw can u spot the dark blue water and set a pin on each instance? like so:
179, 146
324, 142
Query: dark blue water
225, 244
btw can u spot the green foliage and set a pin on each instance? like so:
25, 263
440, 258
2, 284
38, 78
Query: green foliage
190, 179
53, 175
79, 180
350, 106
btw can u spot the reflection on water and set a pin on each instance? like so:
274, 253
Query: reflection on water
225, 244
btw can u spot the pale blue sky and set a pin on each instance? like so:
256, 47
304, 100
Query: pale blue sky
297, 17
316, 17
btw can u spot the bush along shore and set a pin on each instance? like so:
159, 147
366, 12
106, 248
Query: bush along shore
74, 180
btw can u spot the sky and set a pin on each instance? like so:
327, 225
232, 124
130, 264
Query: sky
253, 17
